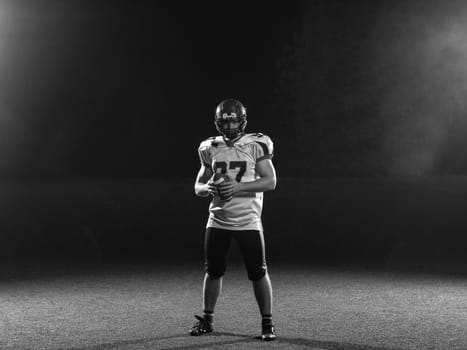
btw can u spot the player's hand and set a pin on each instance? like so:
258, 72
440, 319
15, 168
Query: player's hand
212, 189
228, 188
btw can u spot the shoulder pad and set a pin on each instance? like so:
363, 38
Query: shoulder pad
257, 137
213, 141
262, 141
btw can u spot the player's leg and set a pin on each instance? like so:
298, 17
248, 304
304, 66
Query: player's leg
216, 246
212, 287
253, 250
263, 294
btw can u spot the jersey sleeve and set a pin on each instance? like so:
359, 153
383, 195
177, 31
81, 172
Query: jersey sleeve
264, 147
204, 154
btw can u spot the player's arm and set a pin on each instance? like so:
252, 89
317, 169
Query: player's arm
203, 185
266, 182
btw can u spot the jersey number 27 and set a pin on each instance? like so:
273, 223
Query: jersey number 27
222, 166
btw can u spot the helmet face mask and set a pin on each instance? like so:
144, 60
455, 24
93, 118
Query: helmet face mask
230, 112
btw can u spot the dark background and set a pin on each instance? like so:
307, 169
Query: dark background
103, 105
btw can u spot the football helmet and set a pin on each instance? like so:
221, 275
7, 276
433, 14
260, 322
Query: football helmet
230, 110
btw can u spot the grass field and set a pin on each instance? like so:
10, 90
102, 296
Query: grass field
152, 307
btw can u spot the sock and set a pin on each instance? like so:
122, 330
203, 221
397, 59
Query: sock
208, 315
266, 320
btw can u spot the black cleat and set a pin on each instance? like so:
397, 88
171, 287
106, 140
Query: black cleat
201, 327
268, 333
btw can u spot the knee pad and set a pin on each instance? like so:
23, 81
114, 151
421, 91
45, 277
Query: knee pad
256, 273
215, 272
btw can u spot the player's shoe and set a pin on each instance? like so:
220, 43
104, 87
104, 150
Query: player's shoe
268, 333
201, 327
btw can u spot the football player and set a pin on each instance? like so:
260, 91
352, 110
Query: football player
235, 209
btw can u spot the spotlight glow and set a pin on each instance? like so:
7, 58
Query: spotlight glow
427, 96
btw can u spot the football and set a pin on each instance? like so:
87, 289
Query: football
219, 178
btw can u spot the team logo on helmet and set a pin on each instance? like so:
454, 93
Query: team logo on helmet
227, 116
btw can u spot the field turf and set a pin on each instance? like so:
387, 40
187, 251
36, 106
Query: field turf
152, 307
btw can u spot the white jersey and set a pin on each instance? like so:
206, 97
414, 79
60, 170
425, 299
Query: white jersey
238, 160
